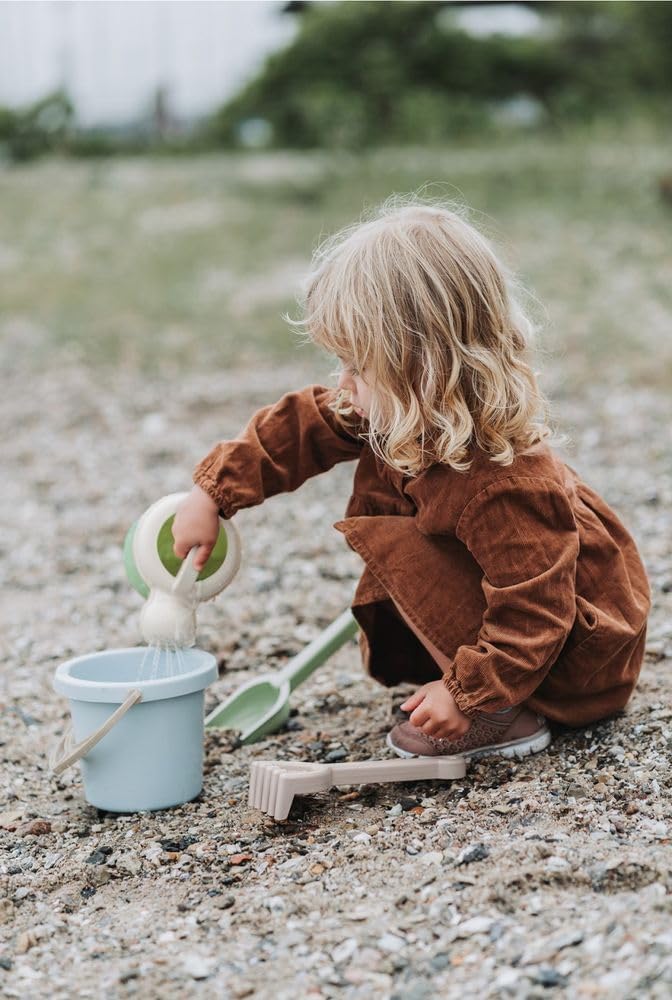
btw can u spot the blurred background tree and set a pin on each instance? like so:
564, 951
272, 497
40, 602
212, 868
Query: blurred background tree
368, 74
43, 127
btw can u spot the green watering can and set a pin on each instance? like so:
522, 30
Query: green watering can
261, 706
173, 591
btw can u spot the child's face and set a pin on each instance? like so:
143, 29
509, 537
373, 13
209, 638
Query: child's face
355, 383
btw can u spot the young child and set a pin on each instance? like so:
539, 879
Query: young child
494, 578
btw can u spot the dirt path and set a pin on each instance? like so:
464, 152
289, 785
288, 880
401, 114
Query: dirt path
547, 877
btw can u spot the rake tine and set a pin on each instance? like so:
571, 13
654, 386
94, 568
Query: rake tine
284, 797
277, 778
250, 787
253, 791
267, 779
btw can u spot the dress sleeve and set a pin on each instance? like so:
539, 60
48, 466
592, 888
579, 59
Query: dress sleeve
523, 534
282, 445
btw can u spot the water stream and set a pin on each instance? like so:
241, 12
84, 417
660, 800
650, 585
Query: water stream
160, 662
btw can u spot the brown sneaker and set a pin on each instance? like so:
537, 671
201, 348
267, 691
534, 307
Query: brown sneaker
515, 733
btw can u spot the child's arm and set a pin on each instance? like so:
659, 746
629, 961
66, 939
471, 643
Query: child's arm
523, 534
281, 447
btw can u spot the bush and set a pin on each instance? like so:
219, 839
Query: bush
41, 128
362, 74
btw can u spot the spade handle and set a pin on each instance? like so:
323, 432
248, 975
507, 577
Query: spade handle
301, 666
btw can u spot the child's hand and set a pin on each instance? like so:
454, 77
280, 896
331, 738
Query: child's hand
196, 523
433, 710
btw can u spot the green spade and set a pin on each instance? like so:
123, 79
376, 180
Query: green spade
261, 706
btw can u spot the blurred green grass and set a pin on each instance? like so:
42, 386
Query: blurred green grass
189, 263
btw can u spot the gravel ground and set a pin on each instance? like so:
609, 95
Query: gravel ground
550, 876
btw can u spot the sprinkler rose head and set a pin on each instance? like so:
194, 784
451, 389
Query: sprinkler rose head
166, 621
172, 586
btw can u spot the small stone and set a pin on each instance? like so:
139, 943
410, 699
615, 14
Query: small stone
178, 844
130, 863
344, 951
36, 827
391, 943
25, 942
240, 859
507, 977
6, 911
557, 864
474, 852
432, 858
546, 976
567, 939
335, 755
198, 966
475, 925
440, 961
225, 902
418, 989
97, 858
98, 875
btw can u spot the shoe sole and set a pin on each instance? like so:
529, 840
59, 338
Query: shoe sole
523, 747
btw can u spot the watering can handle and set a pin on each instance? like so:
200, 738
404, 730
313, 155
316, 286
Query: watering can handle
66, 753
186, 578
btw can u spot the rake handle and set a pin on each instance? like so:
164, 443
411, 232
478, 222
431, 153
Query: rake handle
412, 769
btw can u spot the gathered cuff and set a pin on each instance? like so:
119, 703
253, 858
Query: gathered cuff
212, 487
458, 694
467, 707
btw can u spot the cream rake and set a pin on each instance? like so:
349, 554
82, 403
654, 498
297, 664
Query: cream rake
274, 783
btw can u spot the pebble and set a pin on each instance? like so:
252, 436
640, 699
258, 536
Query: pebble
391, 943
474, 852
548, 977
36, 827
432, 858
475, 925
225, 902
344, 951
557, 864
223, 899
198, 966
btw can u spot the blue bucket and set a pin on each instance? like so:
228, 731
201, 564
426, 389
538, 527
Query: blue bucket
151, 757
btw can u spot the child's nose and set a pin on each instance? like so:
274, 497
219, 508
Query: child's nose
344, 381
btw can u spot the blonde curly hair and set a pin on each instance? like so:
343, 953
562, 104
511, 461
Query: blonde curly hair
415, 298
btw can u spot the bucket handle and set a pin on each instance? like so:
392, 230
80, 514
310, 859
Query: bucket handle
67, 752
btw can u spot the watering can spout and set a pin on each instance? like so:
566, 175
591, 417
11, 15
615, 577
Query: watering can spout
165, 620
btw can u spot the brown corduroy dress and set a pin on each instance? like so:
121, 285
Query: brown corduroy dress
521, 575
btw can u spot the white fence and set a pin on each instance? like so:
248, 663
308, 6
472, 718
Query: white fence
113, 57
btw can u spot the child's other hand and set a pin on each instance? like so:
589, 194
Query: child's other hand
434, 711
196, 523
